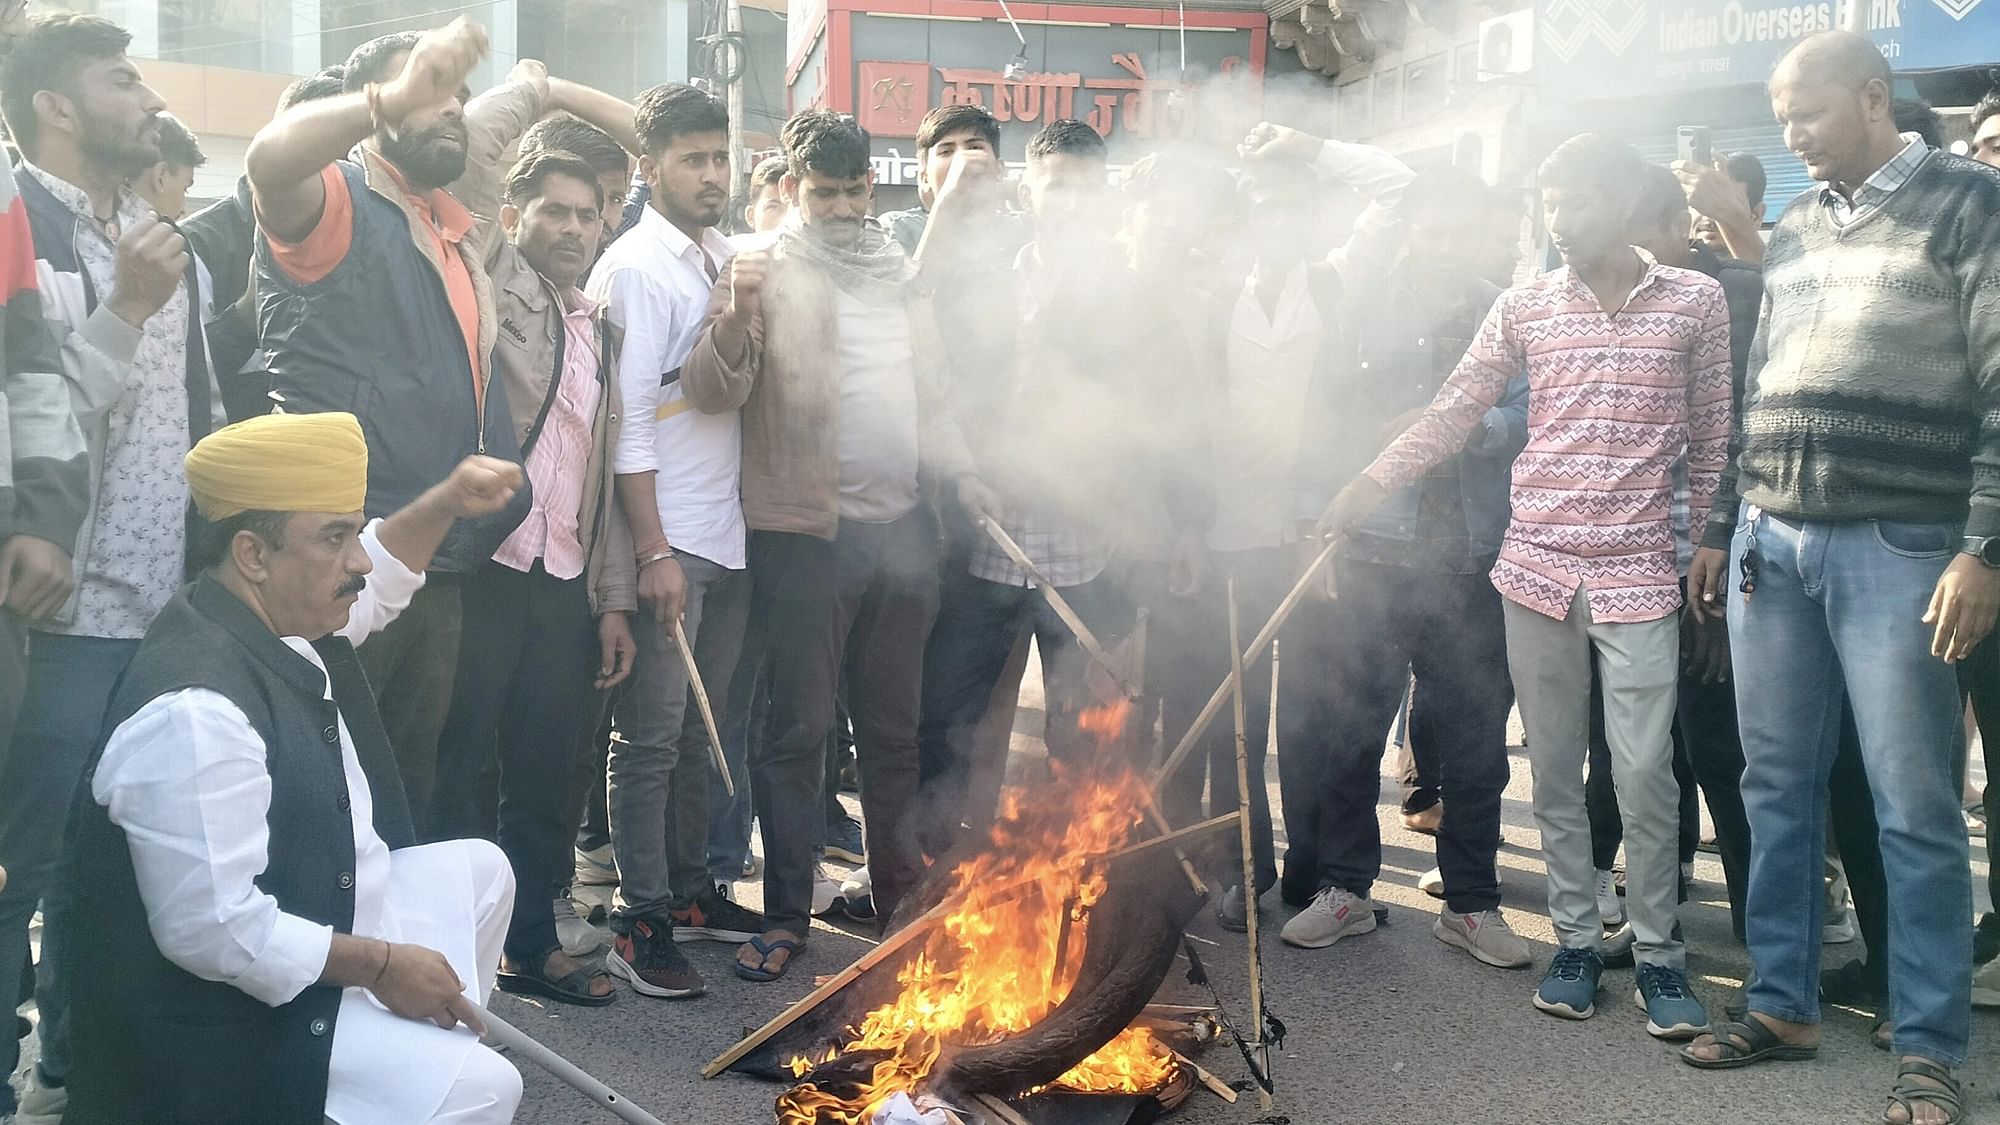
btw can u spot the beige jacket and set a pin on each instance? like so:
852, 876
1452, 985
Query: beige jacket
788, 387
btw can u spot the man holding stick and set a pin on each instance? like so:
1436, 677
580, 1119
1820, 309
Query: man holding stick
265, 939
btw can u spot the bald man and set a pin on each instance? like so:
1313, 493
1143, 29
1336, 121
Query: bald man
264, 943
1867, 553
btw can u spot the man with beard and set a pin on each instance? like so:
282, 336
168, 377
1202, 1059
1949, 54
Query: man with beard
679, 472
831, 354
116, 284
373, 298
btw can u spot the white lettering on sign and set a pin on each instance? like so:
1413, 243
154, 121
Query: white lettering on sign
1739, 24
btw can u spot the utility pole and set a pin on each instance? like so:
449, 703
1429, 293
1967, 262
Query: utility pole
733, 24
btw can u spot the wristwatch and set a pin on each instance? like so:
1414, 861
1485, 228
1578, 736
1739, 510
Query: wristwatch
1985, 548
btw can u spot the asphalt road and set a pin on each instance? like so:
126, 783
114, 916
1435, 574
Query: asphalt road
1389, 1026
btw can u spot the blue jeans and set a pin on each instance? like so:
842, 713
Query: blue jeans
1841, 605
69, 689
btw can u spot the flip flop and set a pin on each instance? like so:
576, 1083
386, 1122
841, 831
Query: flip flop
571, 988
1757, 1043
764, 950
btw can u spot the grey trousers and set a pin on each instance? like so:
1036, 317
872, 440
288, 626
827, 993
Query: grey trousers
658, 772
1638, 664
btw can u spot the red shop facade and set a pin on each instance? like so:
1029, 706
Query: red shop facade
1137, 75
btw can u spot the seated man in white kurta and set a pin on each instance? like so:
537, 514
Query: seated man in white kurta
265, 942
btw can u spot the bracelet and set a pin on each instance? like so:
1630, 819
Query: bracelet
645, 561
387, 949
659, 544
376, 121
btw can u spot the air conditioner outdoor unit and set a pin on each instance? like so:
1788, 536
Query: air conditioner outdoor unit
1507, 45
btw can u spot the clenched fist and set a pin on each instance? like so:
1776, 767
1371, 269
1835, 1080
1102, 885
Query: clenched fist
152, 259
436, 69
748, 273
480, 485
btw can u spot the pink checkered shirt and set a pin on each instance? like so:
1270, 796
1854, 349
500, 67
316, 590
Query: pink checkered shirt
1613, 401
561, 457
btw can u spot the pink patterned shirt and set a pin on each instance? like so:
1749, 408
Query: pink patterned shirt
560, 459
1613, 402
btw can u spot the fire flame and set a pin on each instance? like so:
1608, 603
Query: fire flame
1010, 952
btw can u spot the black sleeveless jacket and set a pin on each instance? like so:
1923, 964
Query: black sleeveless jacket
151, 1043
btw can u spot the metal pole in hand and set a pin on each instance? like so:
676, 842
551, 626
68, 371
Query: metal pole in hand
500, 1033
707, 712
1249, 855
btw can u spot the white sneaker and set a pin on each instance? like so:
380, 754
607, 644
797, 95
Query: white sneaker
1610, 908
1335, 913
596, 868
857, 896
826, 892
40, 1104
1840, 928
577, 936
1986, 985
1486, 936
1432, 883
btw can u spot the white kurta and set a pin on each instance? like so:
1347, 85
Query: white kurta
185, 778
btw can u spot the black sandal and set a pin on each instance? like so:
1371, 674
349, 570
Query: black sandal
1879, 1036
570, 988
1947, 1095
1745, 1042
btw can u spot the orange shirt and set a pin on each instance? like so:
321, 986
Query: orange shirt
446, 221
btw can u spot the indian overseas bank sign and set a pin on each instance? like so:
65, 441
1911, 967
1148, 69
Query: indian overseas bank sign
1619, 48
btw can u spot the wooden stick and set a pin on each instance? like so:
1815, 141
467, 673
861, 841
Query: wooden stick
904, 936
1249, 858
707, 712
1001, 1111
1061, 605
1215, 1085
500, 1033
1257, 646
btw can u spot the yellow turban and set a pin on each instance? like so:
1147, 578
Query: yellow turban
280, 463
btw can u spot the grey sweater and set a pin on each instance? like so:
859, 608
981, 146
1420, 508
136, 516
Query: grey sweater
1873, 389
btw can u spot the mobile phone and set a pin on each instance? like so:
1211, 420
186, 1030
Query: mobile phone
1695, 147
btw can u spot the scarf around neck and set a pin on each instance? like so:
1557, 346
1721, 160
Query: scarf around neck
875, 271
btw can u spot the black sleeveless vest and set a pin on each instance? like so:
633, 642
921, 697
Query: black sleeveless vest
151, 1043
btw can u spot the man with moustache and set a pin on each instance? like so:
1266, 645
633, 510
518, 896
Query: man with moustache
118, 291
831, 354
373, 299
679, 478
1867, 554
266, 943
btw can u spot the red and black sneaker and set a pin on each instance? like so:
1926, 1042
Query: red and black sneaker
644, 954
710, 917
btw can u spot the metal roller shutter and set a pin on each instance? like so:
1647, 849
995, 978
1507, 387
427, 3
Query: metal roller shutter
1785, 173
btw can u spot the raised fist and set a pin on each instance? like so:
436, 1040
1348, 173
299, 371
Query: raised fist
436, 69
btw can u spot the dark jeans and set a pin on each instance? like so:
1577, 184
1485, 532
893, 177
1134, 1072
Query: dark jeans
69, 686
1343, 670
587, 817
862, 602
527, 654
1979, 678
661, 768
412, 665
1191, 640
978, 623
1416, 764
13, 677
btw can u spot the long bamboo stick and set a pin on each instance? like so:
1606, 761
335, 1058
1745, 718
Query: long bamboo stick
904, 936
1249, 856
707, 712
1264, 637
1061, 605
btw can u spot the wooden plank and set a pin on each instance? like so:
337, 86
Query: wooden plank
904, 936
1215, 1085
1001, 1111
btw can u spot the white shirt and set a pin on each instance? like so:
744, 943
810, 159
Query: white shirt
1268, 367
655, 284
877, 438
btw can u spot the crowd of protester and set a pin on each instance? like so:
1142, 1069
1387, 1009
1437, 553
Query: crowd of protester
487, 384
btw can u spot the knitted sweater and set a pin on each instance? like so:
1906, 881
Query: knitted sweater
1874, 383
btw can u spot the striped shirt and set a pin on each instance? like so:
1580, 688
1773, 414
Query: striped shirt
1613, 401
560, 460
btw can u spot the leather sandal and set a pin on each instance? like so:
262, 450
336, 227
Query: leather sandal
1947, 1095
571, 988
1745, 1043
759, 973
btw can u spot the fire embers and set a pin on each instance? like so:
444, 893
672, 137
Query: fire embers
1003, 996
